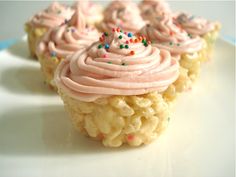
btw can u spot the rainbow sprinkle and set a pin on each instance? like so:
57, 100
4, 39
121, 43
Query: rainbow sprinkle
107, 46
99, 46
130, 35
125, 44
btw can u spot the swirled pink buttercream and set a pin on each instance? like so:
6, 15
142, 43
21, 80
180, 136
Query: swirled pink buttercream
167, 35
116, 66
124, 14
54, 15
68, 38
91, 11
152, 8
197, 26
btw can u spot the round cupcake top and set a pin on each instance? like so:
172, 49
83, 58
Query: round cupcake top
54, 15
91, 11
195, 25
167, 35
124, 14
118, 64
152, 8
66, 39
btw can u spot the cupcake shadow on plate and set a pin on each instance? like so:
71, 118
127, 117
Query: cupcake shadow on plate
24, 80
20, 50
43, 130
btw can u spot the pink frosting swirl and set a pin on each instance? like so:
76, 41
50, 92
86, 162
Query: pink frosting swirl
195, 25
167, 35
54, 15
91, 11
124, 14
152, 8
116, 67
66, 39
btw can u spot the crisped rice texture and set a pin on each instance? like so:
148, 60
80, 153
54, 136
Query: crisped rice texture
48, 67
34, 34
171, 93
115, 120
188, 72
209, 39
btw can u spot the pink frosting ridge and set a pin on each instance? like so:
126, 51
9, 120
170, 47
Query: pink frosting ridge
124, 14
54, 15
66, 39
116, 65
195, 25
152, 8
91, 11
167, 35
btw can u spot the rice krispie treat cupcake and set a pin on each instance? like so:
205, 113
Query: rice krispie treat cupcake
152, 8
187, 49
124, 14
198, 26
39, 24
59, 42
93, 12
112, 90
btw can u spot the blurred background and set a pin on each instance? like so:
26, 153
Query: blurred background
14, 14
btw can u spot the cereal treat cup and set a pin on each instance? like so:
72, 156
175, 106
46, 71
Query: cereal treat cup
39, 24
62, 41
113, 90
198, 26
124, 14
188, 50
153, 8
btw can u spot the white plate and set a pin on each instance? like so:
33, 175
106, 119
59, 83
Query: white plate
36, 138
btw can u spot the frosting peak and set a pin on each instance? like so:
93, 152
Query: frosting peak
68, 38
167, 35
195, 25
54, 15
124, 14
91, 11
152, 8
118, 64
78, 20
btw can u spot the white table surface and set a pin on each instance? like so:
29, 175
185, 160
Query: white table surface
15, 13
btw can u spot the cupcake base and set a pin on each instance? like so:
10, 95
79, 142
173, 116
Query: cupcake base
116, 120
189, 70
210, 39
48, 67
34, 34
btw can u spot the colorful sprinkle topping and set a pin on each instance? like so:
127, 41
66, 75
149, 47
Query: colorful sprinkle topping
130, 137
132, 52
121, 46
99, 46
105, 56
106, 34
130, 35
107, 46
